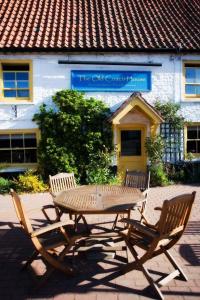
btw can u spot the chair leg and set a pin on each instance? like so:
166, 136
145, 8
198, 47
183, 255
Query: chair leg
85, 223
175, 265
138, 265
30, 260
77, 219
115, 222
151, 281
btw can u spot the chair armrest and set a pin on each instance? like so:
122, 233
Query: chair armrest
50, 228
157, 208
140, 227
57, 212
145, 192
52, 194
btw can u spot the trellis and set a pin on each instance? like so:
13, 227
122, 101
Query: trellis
173, 138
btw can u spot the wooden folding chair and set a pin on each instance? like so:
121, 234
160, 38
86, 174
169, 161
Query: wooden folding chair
47, 240
158, 239
58, 183
140, 181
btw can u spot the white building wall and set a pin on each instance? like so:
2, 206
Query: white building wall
49, 77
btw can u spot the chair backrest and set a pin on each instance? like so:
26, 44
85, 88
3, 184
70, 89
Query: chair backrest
23, 220
62, 182
175, 214
136, 179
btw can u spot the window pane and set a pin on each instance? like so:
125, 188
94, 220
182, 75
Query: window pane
22, 76
192, 89
18, 156
30, 155
192, 132
10, 93
30, 140
8, 84
198, 146
8, 75
22, 84
5, 156
16, 141
130, 142
190, 75
23, 93
15, 67
193, 74
191, 147
4, 141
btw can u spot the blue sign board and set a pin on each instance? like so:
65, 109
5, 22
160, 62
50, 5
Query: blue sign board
111, 81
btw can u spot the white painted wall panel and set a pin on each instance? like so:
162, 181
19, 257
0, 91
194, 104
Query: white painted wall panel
49, 77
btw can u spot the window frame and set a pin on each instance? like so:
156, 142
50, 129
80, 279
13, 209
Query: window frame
186, 138
193, 97
16, 99
21, 131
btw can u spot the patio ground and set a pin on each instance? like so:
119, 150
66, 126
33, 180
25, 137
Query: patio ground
90, 284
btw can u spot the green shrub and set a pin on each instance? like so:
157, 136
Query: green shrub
154, 149
5, 185
30, 182
170, 113
98, 170
71, 135
158, 175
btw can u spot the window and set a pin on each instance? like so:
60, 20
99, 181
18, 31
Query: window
192, 80
131, 142
193, 139
16, 81
18, 148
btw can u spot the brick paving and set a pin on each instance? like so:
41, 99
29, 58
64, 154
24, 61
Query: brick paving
96, 279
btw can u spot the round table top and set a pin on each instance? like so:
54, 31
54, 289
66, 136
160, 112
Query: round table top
99, 199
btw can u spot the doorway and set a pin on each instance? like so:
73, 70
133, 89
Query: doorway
131, 150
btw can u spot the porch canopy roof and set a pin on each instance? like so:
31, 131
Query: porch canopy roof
136, 101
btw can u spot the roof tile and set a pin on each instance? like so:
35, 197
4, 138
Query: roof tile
100, 24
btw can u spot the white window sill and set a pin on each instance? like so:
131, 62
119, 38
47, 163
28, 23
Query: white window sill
191, 100
17, 103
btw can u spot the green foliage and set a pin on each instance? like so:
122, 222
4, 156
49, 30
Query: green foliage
169, 112
72, 134
175, 172
155, 148
5, 185
190, 156
98, 170
158, 175
30, 182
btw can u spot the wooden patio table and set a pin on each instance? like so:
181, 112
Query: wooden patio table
98, 199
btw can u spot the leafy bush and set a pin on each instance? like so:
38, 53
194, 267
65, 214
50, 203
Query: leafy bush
154, 149
169, 112
30, 182
98, 170
72, 134
158, 175
5, 185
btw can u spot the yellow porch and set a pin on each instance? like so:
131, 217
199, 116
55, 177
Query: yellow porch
132, 122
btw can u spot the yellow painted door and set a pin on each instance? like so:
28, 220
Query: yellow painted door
131, 150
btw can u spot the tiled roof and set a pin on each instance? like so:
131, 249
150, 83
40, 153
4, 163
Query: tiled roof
100, 25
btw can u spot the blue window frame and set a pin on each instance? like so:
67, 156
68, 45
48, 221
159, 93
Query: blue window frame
192, 80
16, 81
